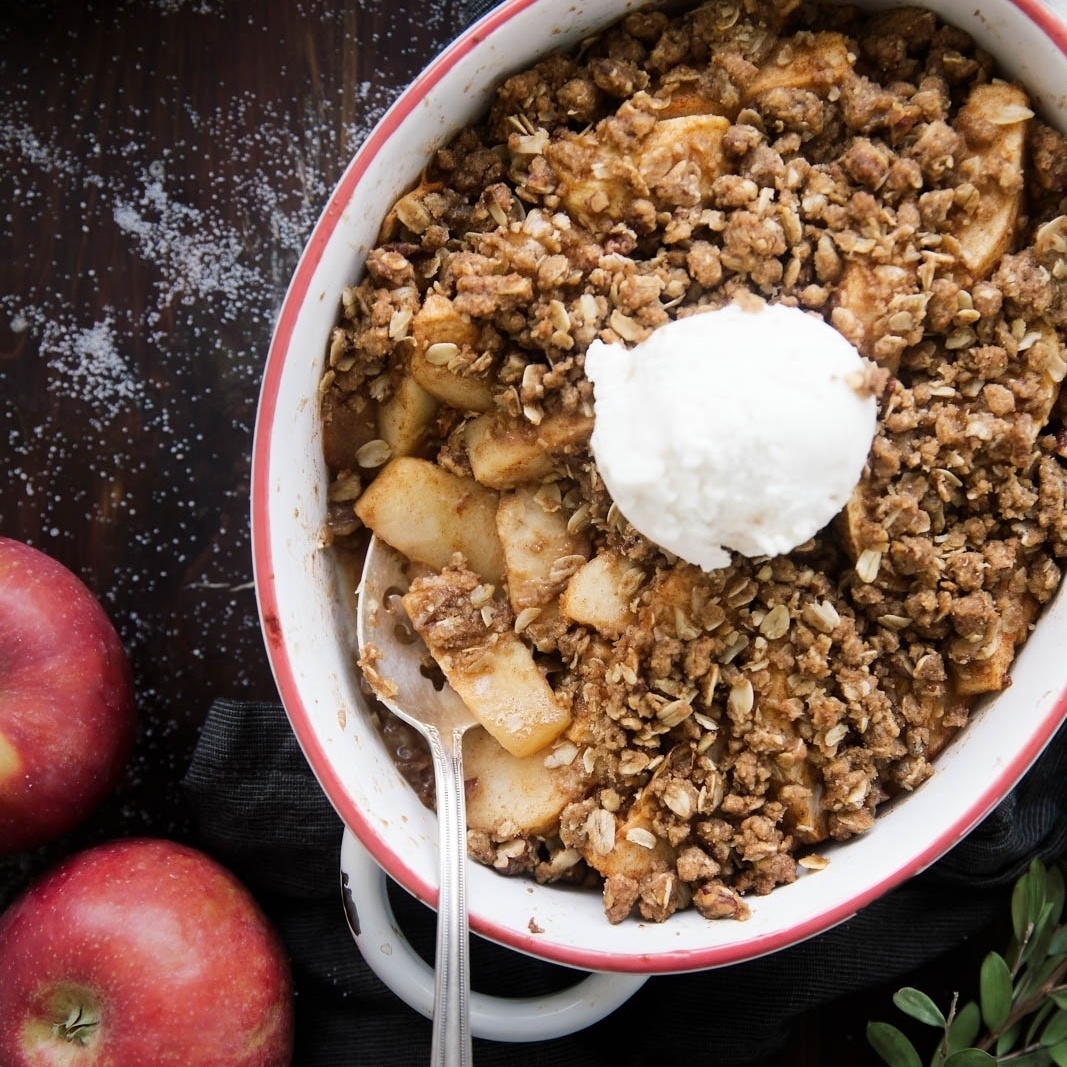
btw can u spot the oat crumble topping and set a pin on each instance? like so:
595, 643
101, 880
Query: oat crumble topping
871, 168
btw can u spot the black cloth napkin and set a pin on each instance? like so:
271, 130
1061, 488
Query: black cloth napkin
474, 9
258, 808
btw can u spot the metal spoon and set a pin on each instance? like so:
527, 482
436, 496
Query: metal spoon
442, 718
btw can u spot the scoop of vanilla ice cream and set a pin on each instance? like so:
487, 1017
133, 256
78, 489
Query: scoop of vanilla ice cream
731, 429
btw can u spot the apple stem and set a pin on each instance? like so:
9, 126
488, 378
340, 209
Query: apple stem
76, 1027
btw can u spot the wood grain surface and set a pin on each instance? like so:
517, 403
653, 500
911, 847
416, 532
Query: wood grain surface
163, 163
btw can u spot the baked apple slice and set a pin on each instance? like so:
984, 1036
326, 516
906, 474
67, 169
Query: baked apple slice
603, 181
440, 335
540, 551
514, 796
993, 124
405, 416
599, 593
626, 847
506, 452
470, 636
812, 61
429, 514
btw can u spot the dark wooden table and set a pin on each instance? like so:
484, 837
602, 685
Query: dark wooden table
162, 163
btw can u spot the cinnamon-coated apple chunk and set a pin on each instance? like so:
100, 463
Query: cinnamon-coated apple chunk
539, 548
469, 634
816, 62
511, 795
994, 123
598, 594
506, 452
667, 159
442, 336
430, 514
404, 418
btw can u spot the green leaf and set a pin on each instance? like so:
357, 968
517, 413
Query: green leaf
1057, 945
1038, 1058
1043, 931
1009, 1039
1028, 900
1038, 1018
1039, 892
1056, 1031
970, 1057
964, 1027
892, 1045
995, 990
1036, 976
918, 1005
1020, 908
1059, 998
1058, 1054
1055, 891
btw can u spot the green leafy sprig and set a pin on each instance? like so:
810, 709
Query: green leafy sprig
1020, 1016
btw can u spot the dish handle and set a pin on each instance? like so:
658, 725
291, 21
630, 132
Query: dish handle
392, 958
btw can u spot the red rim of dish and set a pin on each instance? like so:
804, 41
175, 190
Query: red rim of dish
660, 962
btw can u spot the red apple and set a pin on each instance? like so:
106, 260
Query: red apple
142, 953
66, 699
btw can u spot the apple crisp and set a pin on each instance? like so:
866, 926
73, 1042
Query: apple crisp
686, 738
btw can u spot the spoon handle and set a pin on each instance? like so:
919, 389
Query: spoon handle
451, 1045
